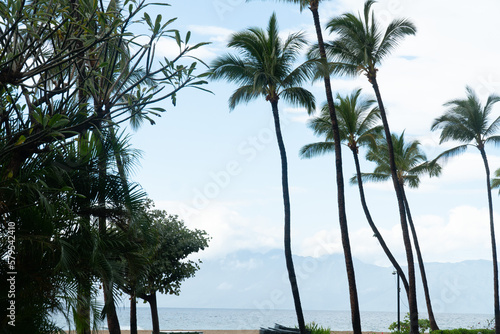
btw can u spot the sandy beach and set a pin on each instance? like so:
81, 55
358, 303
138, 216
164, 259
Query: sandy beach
245, 331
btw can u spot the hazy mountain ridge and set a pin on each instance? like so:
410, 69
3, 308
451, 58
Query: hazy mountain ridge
259, 281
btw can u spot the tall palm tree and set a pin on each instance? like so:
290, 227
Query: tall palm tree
360, 47
264, 68
357, 124
468, 122
411, 163
322, 72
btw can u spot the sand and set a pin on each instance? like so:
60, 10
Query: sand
244, 331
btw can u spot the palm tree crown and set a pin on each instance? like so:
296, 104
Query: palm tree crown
411, 162
356, 118
467, 121
264, 67
360, 45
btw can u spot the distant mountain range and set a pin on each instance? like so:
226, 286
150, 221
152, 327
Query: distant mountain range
259, 281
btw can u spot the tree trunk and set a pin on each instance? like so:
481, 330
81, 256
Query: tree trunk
109, 304
133, 313
151, 299
412, 293
373, 226
421, 266
288, 239
353, 294
493, 242
82, 321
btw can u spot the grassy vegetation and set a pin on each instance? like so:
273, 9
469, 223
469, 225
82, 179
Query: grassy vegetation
464, 331
314, 328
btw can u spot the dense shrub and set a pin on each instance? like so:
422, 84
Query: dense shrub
314, 328
464, 331
423, 326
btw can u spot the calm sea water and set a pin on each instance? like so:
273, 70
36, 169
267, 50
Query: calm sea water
191, 318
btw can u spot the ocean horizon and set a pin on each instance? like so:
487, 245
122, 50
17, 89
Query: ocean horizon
238, 319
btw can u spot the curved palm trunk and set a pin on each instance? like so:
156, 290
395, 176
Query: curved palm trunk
412, 293
421, 266
351, 278
288, 240
493, 242
111, 316
375, 230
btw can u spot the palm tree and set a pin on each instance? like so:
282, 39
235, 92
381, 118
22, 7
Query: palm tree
357, 121
313, 6
360, 47
468, 121
264, 68
411, 163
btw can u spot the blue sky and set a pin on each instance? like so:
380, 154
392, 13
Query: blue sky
221, 172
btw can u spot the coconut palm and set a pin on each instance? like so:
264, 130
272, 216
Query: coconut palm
264, 68
360, 47
411, 163
321, 58
468, 122
357, 124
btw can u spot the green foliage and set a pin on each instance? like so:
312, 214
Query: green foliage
70, 72
314, 328
423, 326
166, 243
464, 331
264, 67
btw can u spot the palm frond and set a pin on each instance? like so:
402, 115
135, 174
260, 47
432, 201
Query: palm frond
453, 152
371, 177
316, 149
300, 97
244, 94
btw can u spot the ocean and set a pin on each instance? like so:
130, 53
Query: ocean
197, 318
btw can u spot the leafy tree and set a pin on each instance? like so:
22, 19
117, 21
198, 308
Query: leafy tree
264, 68
165, 252
423, 324
359, 47
468, 121
411, 163
67, 67
357, 124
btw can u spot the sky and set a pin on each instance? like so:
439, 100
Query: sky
220, 171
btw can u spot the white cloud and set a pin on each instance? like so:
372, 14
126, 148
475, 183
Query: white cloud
463, 235
229, 230
216, 34
168, 48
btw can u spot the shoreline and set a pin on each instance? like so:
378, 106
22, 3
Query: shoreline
215, 331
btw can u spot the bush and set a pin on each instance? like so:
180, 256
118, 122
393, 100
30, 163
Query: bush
314, 328
423, 326
464, 331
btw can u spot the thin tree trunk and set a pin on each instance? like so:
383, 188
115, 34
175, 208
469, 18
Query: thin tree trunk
111, 316
288, 239
133, 313
375, 230
109, 303
421, 266
351, 278
151, 299
412, 293
493, 242
82, 322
